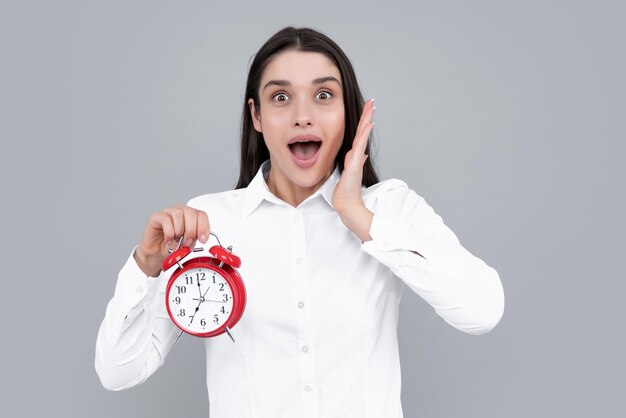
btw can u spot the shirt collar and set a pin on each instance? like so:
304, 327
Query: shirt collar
257, 191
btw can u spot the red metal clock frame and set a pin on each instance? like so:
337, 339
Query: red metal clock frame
229, 262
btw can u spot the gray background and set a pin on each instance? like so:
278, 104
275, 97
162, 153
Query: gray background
505, 116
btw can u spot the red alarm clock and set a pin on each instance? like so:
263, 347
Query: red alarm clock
205, 295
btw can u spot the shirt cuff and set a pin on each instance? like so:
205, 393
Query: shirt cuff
132, 290
390, 235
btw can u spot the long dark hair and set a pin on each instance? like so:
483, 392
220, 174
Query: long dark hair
253, 149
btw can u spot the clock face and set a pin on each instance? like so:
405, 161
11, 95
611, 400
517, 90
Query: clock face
200, 300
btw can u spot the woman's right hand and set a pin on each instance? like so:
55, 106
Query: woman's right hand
166, 227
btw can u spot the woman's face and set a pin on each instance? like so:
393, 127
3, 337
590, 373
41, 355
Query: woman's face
302, 119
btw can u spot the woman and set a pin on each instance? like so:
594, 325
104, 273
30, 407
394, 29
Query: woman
326, 252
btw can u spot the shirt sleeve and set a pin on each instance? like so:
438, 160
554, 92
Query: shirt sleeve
136, 333
461, 287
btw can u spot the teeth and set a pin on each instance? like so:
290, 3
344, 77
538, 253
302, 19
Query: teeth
303, 142
306, 141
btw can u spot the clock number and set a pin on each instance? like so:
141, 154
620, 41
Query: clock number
200, 275
221, 287
181, 289
225, 298
214, 279
188, 280
222, 310
181, 313
177, 300
203, 322
216, 319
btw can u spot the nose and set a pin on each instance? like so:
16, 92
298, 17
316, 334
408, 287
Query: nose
303, 115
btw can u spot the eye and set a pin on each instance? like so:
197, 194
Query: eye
280, 97
324, 95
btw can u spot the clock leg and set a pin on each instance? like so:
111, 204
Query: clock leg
229, 334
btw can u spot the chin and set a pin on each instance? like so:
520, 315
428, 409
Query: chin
310, 177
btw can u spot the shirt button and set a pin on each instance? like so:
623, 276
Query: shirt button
300, 304
307, 388
305, 348
139, 289
298, 260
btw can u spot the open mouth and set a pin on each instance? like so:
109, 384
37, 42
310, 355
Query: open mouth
305, 149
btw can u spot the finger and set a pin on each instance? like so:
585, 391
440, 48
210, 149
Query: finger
163, 222
178, 220
366, 116
362, 137
355, 158
360, 142
191, 224
351, 164
203, 227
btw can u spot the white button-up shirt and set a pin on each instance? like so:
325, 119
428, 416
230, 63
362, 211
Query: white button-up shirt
318, 337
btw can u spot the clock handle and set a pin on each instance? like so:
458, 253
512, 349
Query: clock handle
217, 238
180, 242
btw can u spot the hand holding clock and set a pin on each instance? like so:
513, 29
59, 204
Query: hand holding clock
163, 228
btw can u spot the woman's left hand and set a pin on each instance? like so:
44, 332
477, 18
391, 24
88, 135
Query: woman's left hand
347, 199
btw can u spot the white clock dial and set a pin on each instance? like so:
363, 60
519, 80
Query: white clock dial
200, 300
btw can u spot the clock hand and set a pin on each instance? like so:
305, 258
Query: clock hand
194, 313
210, 300
207, 289
200, 300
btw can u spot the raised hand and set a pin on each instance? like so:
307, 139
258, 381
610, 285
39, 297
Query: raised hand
347, 199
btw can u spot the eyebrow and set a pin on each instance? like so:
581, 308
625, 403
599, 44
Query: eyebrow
286, 83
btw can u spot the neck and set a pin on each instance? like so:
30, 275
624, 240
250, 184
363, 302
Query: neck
288, 191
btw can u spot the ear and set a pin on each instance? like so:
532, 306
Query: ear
256, 117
